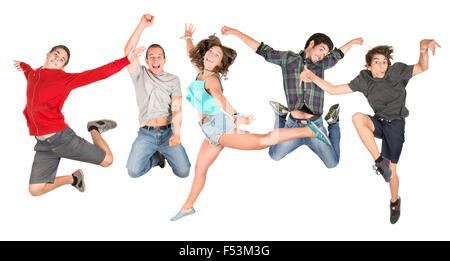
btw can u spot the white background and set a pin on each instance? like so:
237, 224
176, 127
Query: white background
247, 196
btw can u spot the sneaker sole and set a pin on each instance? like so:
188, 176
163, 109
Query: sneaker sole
93, 123
328, 116
275, 108
83, 188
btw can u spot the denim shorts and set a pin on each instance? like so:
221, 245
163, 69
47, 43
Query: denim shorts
214, 126
63, 144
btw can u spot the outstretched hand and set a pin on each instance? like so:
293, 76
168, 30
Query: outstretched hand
147, 20
188, 31
17, 65
135, 53
426, 44
247, 120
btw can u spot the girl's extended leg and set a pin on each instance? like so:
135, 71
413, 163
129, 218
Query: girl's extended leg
206, 156
245, 140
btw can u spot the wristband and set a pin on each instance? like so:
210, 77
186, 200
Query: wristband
236, 115
188, 37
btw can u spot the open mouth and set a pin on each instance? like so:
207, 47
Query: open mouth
156, 66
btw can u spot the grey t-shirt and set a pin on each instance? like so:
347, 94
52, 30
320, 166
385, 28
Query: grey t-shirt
154, 94
386, 95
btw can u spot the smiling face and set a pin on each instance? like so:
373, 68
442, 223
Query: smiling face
56, 59
378, 66
213, 57
316, 52
155, 60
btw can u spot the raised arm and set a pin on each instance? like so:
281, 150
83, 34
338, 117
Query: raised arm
252, 43
75, 80
188, 33
146, 21
346, 47
308, 76
422, 65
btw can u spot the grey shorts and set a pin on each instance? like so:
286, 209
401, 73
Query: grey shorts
64, 144
214, 126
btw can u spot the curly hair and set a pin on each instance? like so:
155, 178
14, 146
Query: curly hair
384, 50
197, 54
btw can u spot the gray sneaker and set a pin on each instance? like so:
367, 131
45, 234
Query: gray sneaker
333, 114
320, 135
383, 169
279, 109
102, 125
80, 185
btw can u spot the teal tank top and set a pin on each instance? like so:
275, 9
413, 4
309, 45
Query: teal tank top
200, 98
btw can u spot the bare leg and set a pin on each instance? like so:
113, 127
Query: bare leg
365, 129
394, 183
41, 189
206, 156
239, 140
244, 140
101, 143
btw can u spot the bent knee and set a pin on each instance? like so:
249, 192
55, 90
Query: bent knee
134, 173
182, 173
36, 190
332, 164
358, 118
107, 161
275, 156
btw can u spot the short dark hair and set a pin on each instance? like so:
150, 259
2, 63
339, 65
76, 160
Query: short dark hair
320, 38
155, 46
65, 49
198, 52
384, 50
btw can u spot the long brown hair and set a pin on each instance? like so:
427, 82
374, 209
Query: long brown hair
197, 54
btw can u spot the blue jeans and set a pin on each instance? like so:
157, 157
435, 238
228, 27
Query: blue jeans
328, 154
143, 153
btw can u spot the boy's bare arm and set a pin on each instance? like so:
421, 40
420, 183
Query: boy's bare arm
422, 65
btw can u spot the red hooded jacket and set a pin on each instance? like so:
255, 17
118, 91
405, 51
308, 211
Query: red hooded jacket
47, 90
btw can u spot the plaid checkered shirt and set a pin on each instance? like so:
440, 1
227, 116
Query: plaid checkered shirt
292, 65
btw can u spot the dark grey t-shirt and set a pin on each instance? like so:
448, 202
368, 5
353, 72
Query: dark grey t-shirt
386, 95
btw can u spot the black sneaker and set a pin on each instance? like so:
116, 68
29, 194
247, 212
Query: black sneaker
162, 160
395, 211
78, 176
382, 168
279, 109
102, 125
333, 114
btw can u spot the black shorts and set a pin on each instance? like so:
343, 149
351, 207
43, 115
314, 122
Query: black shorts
63, 144
393, 135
